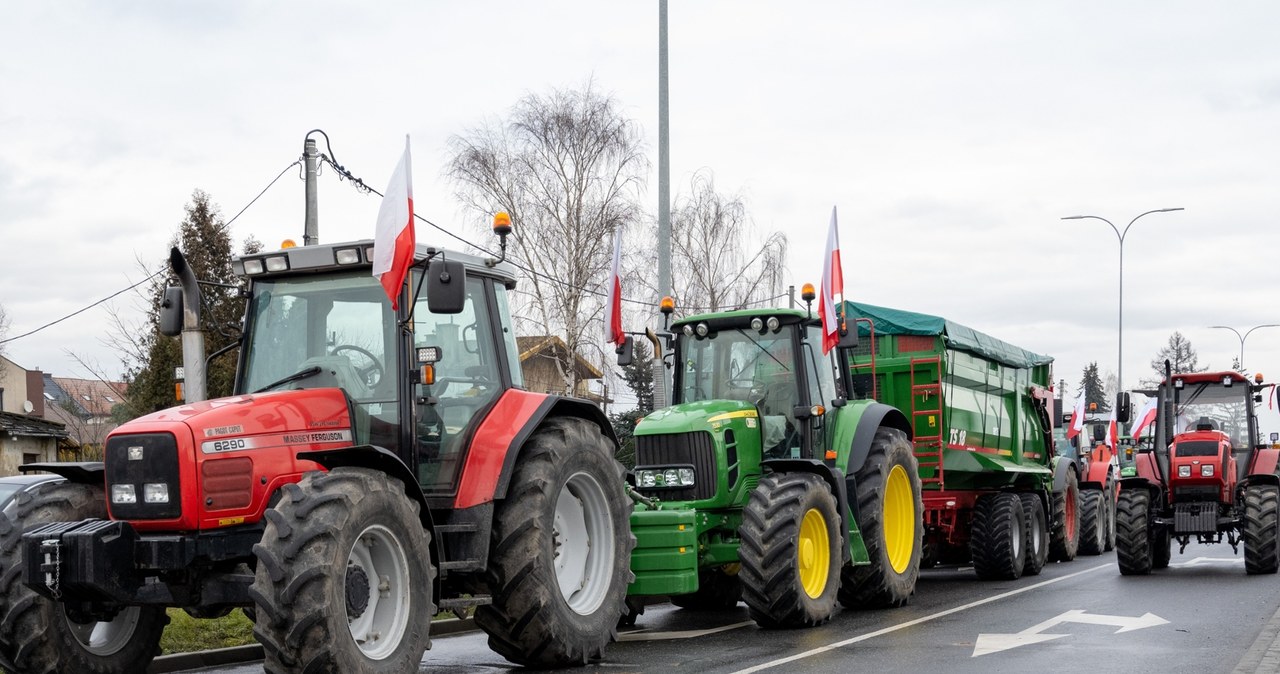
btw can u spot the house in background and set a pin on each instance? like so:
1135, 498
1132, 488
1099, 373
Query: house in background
26, 436
537, 362
84, 406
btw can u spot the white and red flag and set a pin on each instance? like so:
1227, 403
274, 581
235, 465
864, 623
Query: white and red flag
613, 333
1111, 430
1144, 418
832, 285
393, 240
1077, 418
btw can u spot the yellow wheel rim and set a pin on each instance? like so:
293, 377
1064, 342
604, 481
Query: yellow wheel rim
814, 553
899, 523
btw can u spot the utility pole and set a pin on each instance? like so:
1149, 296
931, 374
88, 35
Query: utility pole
311, 225
664, 193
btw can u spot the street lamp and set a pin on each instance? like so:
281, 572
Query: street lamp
1120, 311
1244, 336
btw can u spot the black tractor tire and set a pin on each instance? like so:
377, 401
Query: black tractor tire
36, 635
790, 551
1037, 534
1161, 548
1064, 534
1109, 498
565, 475
1134, 535
890, 518
998, 537
1261, 529
717, 590
329, 544
1093, 522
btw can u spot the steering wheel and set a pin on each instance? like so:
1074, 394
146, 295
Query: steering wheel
372, 373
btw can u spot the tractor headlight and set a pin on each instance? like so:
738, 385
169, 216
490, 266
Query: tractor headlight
123, 494
665, 478
702, 329
757, 324
773, 324
155, 492
1184, 471
1206, 470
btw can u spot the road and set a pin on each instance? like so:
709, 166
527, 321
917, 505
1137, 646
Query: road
1203, 615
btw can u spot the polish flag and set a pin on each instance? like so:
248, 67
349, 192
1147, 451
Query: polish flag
613, 333
832, 285
1077, 418
1144, 418
1111, 430
393, 241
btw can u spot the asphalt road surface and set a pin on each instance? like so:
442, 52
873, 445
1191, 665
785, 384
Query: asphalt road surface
1202, 614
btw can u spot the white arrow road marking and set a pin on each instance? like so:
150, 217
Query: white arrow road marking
994, 643
1210, 561
640, 635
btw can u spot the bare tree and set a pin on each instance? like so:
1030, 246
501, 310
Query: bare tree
568, 168
1180, 354
4, 328
716, 264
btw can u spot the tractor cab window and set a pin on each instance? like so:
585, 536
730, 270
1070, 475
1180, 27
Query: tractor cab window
761, 370
327, 331
467, 379
1211, 406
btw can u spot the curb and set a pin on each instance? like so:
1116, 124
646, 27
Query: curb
236, 655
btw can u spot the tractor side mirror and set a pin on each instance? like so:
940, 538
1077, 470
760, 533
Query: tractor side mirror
1099, 434
1124, 407
626, 352
848, 336
171, 312
1275, 437
446, 286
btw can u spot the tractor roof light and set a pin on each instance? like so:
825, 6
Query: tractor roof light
806, 292
1257, 377
773, 324
348, 255
253, 266
702, 329
757, 324
1227, 380
667, 305
688, 330
288, 243
1093, 407
1178, 384
277, 263
501, 223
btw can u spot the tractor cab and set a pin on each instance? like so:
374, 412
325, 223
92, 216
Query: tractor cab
1213, 424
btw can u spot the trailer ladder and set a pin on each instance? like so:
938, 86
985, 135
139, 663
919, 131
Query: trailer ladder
926, 416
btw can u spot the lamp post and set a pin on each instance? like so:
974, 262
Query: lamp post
1120, 310
1244, 336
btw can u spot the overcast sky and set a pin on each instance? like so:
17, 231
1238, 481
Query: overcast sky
952, 137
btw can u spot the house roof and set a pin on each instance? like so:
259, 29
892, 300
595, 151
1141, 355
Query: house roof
547, 345
35, 427
87, 397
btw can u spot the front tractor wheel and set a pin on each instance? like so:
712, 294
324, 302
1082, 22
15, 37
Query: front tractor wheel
559, 560
890, 512
1134, 538
36, 634
998, 537
1093, 522
1261, 528
344, 577
790, 551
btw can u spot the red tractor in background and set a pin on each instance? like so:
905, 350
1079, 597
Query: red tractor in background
1099, 466
376, 466
1207, 476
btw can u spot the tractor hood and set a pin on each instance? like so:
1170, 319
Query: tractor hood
313, 410
705, 415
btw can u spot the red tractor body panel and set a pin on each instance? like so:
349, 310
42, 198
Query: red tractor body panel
494, 440
240, 450
1202, 459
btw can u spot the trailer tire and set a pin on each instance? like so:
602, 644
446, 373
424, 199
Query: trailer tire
36, 635
1261, 529
1037, 534
327, 547
717, 590
1134, 544
1064, 535
790, 551
890, 518
998, 537
560, 550
1093, 522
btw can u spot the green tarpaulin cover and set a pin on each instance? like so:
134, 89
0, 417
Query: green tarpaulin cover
898, 322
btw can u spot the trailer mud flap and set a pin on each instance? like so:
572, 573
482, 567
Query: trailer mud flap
665, 559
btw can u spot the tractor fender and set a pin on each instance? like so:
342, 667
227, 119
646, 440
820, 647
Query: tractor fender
1265, 462
1142, 483
83, 472
1063, 466
1260, 478
379, 459
839, 484
497, 440
873, 417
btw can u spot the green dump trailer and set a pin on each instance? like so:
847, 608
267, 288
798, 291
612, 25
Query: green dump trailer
981, 414
763, 481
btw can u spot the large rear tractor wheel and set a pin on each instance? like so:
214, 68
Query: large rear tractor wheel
890, 513
1037, 534
1093, 522
790, 551
1261, 529
717, 590
1064, 535
560, 555
998, 537
344, 577
1134, 537
36, 634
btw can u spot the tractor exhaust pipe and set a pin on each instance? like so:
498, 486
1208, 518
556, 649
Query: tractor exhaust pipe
1164, 425
192, 334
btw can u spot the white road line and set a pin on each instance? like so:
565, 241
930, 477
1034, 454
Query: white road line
911, 623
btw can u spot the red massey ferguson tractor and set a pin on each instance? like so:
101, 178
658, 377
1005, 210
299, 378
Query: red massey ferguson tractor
1206, 477
376, 466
